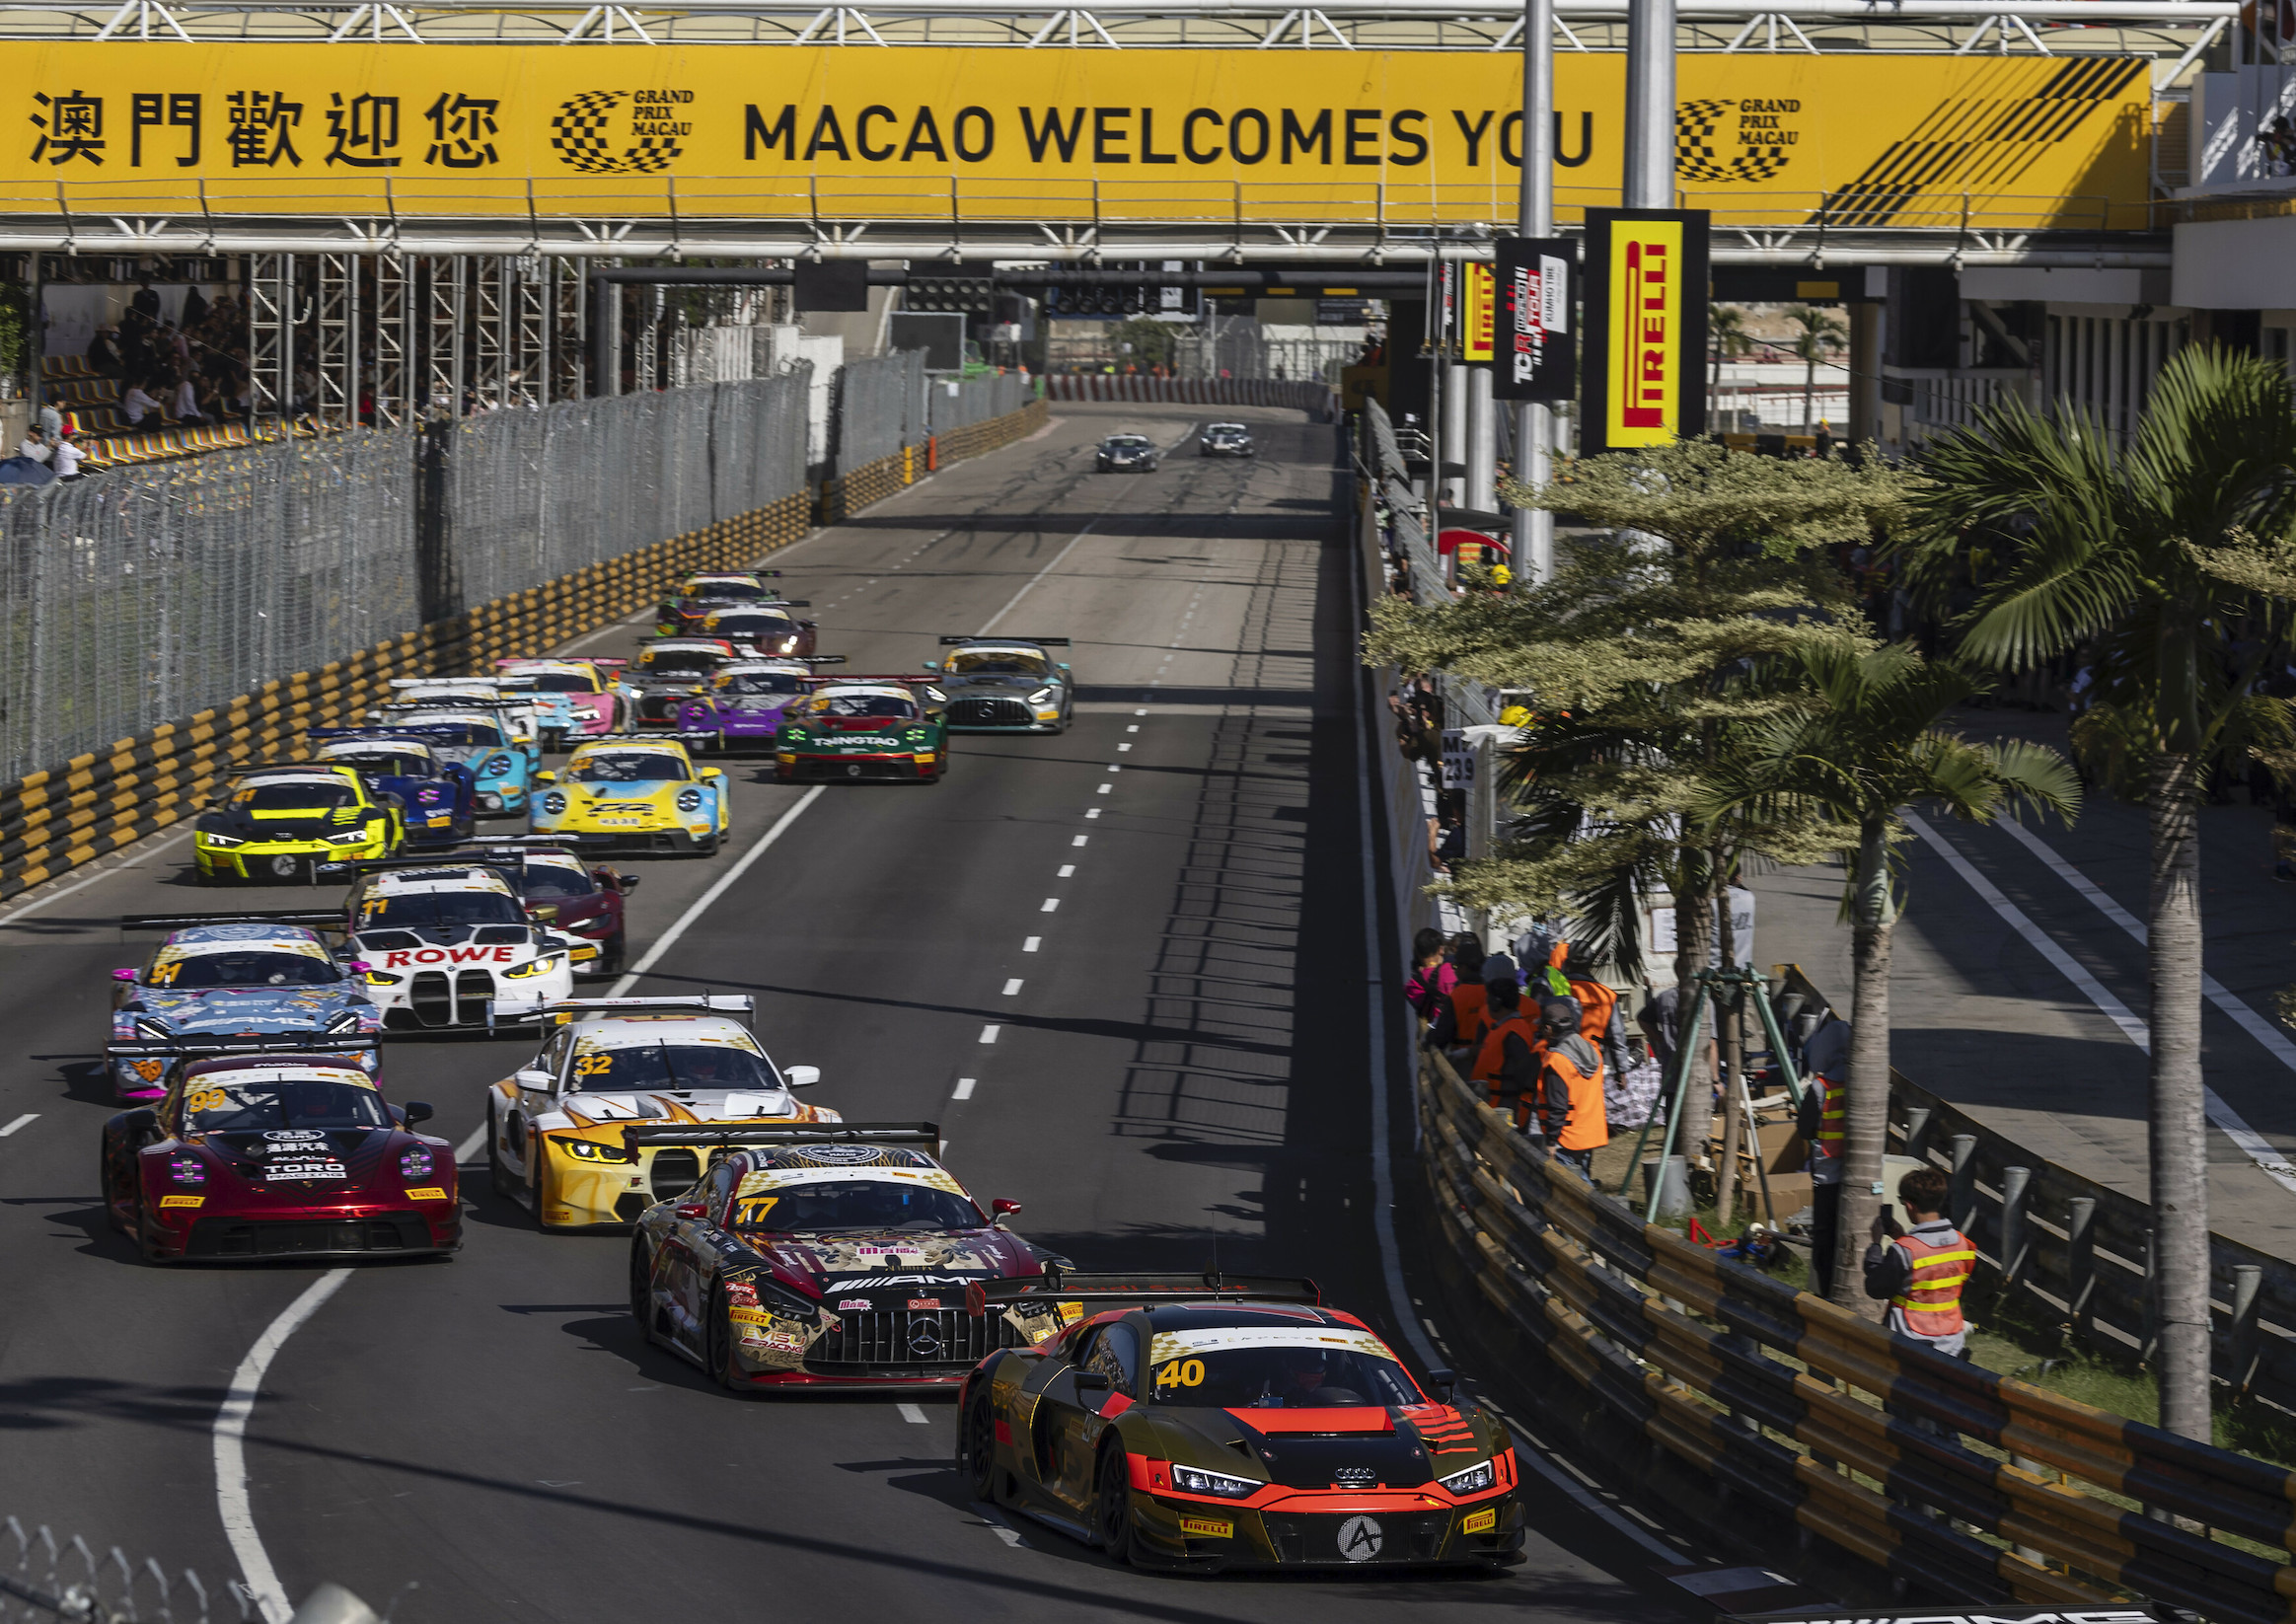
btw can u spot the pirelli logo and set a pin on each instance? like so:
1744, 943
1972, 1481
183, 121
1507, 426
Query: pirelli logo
1646, 278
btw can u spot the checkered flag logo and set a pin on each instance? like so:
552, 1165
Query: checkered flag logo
581, 133
1695, 158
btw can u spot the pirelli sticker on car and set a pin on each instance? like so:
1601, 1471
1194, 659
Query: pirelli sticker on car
429, 1192
749, 1316
181, 1201
1206, 1527
783, 1178
1481, 1522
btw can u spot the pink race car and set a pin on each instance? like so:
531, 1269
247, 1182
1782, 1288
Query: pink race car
580, 699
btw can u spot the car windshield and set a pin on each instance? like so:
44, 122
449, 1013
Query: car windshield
865, 704
761, 682
465, 733
997, 662
682, 662
730, 592
249, 966
305, 1102
1126, 442
294, 797
750, 623
855, 1204
415, 908
1282, 1378
564, 681
628, 766
387, 763
671, 1066
548, 883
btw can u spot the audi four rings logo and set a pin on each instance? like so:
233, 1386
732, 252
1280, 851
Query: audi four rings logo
1361, 1537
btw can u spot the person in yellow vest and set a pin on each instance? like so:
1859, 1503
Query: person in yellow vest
1570, 1105
1823, 1121
1921, 1270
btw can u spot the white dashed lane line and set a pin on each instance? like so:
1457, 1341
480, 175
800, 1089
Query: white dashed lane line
1079, 840
1124, 747
964, 1088
1032, 944
1103, 789
1012, 987
27, 1117
1067, 869
1052, 905
911, 1414
989, 1034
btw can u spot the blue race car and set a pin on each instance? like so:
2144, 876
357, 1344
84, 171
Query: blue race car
441, 796
219, 977
479, 737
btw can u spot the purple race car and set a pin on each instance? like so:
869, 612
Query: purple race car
743, 703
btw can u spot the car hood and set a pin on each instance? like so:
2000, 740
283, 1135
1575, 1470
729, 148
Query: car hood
676, 1105
1351, 1446
299, 1163
245, 1008
279, 826
903, 1262
641, 790
747, 705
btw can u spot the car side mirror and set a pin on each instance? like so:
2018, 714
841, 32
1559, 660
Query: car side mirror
692, 1210
933, 665
141, 1121
1446, 1384
628, 882
999, 1209
123, 975
359, 967
533, 1077
417, 1111
545, 775
1093, 1381
801, 1077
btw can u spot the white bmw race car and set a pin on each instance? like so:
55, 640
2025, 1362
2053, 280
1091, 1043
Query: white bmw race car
444, 940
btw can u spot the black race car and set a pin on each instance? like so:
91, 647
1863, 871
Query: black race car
1226, 440
1127, 454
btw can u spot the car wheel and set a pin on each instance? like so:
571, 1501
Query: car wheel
108, 1180
496, 1172
615, 954
1112, 1515
978, 1440
642, 1288
709, 850
717, 1338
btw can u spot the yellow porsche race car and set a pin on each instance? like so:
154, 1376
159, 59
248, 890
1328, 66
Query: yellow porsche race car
279, 823
642, 791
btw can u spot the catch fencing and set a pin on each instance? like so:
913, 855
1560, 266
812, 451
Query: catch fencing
44, 1579
1315, 398
959, 402
880, 408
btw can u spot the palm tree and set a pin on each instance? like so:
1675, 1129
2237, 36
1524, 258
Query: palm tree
1725, 325
1822, 332
1868, 750
2173, 559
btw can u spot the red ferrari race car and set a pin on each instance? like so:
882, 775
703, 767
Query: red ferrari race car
1221, 1423
271, 1151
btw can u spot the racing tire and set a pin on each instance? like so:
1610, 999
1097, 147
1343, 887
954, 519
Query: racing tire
717, 1340
977, 1440
710, 851
1112, 1508
642, 1288
615, 954
107, 1181
498, 1174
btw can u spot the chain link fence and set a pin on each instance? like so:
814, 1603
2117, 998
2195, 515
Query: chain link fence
880, 408
960, 403
43, 1578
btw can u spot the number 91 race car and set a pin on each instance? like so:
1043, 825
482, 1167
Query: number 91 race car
1230, 1424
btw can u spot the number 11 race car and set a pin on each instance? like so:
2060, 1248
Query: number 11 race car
1230, 1424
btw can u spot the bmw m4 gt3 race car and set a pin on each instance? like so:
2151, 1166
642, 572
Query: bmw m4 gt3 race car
669, 672
827, 1257
439, 797
442, 940
865, 727
1127, 454
679, 1068
1005, 685
484, 738
279, 1154
699, 595
1231, 1424
763, 631
640, 792
217, 978
584, 698
742, 707
279, 823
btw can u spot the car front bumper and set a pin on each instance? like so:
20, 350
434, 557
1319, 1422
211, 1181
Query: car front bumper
260, 862
1383, 1530
388, 1226
904, 768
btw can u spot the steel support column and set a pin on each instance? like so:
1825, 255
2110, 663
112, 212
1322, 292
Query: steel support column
1649, 104
489, 322
1534, 530
271, 334
336, 333
528, 380
393, 341
569, 327
446, 335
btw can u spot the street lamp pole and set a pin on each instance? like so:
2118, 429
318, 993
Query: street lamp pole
1534, 530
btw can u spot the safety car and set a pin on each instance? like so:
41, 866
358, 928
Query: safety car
1230, 1422
583, 697
1226, 440
679, 1069
439, 797
484, 738
671, 670
865, 727
1006, 685
699, 595
278, 823
216, 977
640, 791
743, 705
442, 941
826, 1256
1127, 454
760, 632
271, 1153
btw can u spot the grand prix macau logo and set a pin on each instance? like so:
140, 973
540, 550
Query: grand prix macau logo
1736, 139
622, 132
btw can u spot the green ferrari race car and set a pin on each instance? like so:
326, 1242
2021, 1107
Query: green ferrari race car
865, 727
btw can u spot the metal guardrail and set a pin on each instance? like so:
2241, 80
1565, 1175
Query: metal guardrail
1974, 1483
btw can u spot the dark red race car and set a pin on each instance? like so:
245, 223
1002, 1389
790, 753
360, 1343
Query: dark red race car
269, 1150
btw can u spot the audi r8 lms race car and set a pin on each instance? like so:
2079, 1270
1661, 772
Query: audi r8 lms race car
760, 632
1127, 454
827, 1257
678, 1068
443, 940
671, 670
642, 792
279, 1154
1005, 685
865, 727
439, 798
279, 823
1226, 440
743, 705
697, 595
1231, 1424
216, 978
587, 697
484, 738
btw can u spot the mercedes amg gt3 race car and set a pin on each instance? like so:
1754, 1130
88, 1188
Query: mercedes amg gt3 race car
865, 727
269, 1155
669, 672
443, 939
764, 631
584, 698
638, 792
1127, 454
828, 1256
677, 1069
1233, 1423
214, 978
1005, 685
682, 613
438, 797
279, 823
1226, 440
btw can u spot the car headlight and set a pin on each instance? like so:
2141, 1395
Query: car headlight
1040, 696
1189, 1480
689, 800
589, 1150
553, 803
1473, 1481
188, 1169
156, 1030
381, 978
538, 967
495, 766
350, 837
219, 840
430, 795
416, 1163
346, 1022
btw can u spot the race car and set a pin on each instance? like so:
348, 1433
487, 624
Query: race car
442, 941
271, 1153
671, 670
279, 823
573, 897
514, 699
865, 727
827, 1256
218, 978
484, 738
1127, 454
761, 631
439, 797
679, 1068
1225, 1423
1226, 440
642, 791
743, 705
586, 696
1006, 685
683, 610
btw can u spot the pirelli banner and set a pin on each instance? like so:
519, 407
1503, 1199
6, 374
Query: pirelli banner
1644, 381
772, 131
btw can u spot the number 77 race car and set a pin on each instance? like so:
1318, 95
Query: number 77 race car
1227, 1424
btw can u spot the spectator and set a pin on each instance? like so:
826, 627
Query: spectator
1432, 975
68, 459
1450, 840
146, 302
189, 407
52, 422
36, 446
104, 353
138, 405
194, 309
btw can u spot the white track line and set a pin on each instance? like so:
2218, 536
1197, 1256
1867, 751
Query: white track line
231, 1496
964, 1089
912, 1414
1014, 602
701, 903
472, 1145
27, 1117
2227, 1121
152, 850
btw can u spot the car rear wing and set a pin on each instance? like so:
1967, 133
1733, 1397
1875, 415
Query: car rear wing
907, 679
566, 1010
204, 1044
1072, 1286
652, 735
311, 918
787, 1133
1042, 642
506, 680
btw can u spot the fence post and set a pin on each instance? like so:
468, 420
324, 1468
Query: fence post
2012, 1183
1964, 1194
1917, 1132
2247, 1348
434, 589
2079, 1261
2151, 1309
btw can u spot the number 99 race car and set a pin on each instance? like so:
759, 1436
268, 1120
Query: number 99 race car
1230, 1424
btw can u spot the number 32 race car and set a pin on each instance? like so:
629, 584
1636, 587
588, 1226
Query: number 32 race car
1230, 1424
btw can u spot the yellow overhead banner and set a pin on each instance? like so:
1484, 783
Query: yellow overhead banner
768, 131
